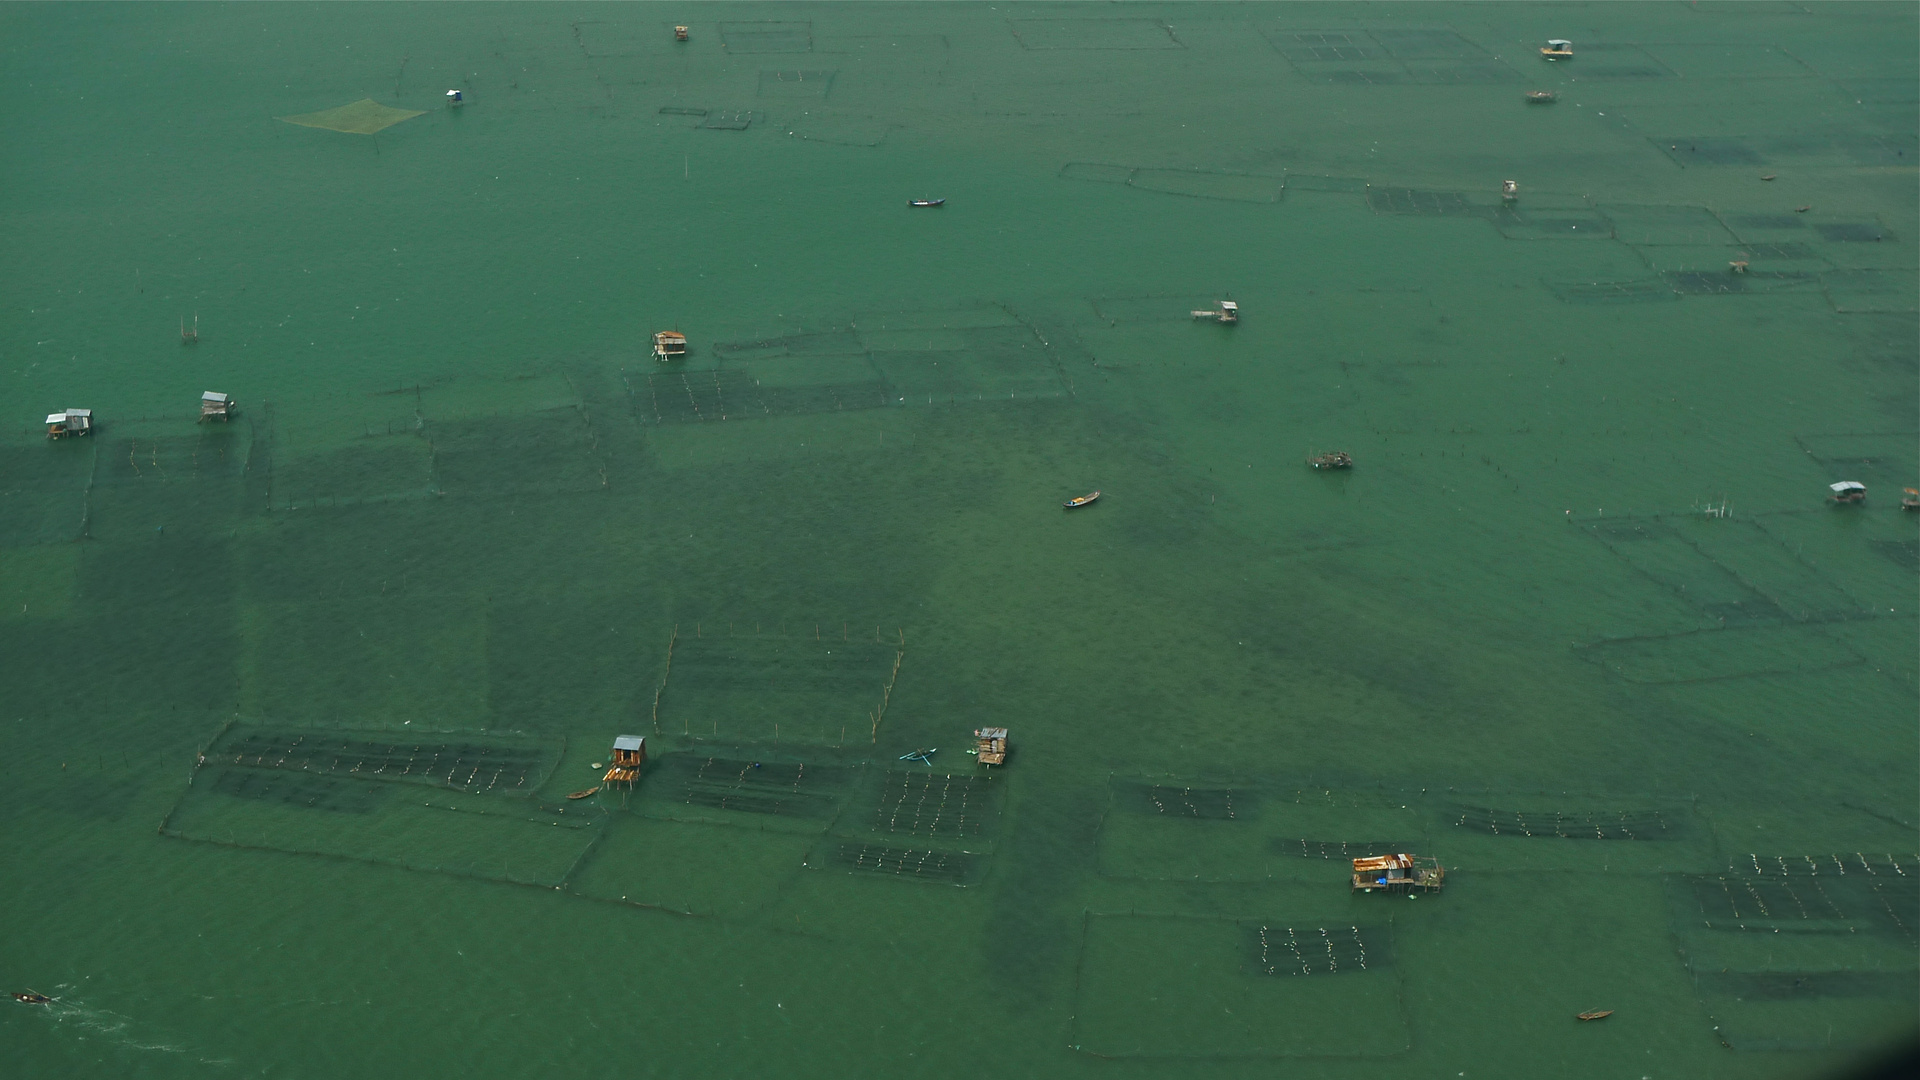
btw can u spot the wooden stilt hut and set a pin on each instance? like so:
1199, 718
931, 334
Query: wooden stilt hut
629, 756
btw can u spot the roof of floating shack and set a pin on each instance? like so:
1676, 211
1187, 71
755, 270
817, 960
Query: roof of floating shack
629, 742
1848, 485
1383, 862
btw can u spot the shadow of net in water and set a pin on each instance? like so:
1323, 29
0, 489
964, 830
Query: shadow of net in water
783, 789
299, 789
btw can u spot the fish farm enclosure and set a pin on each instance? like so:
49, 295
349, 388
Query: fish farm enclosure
1038, 491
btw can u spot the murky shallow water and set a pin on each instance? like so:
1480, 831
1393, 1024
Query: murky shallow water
295, 700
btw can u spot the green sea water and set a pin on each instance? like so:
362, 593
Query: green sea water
291, 704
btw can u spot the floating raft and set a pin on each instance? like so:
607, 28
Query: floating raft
669, 345
71, 423
990, 745
1398, 873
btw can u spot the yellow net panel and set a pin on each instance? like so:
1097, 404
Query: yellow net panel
363, 117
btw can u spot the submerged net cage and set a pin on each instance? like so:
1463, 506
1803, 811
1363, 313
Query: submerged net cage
767, 36
469, 764
695, 784
462, 803
44, 492
1729, 569
932, 865
690, 867
1630, 824
1171, 829
1383, 56
1094, 34
1277, 949
1239, 990
824, 690
887, 359
1342, 850
1802, 952
1181, 801
1711, 655
1636, 291
934, 804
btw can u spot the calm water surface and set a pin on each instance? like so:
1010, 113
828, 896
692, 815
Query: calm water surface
292, 703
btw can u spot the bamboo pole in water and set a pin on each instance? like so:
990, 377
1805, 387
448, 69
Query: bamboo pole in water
662, 688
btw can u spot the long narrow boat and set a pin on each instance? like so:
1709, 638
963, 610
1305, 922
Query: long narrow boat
32, 998
583, 794
1600, 1015
926, 202
1081, 501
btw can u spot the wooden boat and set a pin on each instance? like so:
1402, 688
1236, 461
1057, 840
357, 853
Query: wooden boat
1339, 459
583, 794
31, 998
926, 202
1600, 1015
1910, 499
1081, 500
1542, 97
1222, 311
1847, 492
1558, 49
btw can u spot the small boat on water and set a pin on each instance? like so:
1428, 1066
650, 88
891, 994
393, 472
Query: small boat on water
583, 794
1339, 459
1847, 492
31, 998
1910, 498
1600, 1015
1542, 97
1558, 49
926, 202
1081, 500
